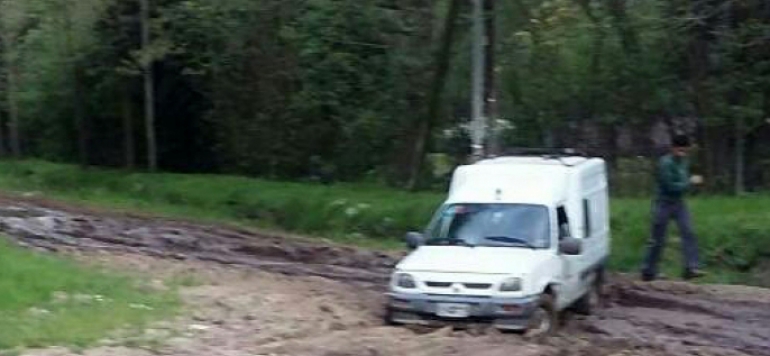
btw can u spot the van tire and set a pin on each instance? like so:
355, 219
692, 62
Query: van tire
388, 318
591, 301
544, 320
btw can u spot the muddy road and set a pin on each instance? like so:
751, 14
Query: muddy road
264, 294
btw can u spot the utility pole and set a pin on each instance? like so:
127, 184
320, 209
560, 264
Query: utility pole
491, 108
478, 124
149, 95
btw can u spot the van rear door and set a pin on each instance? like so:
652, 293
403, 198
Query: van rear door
571, 265
595, 221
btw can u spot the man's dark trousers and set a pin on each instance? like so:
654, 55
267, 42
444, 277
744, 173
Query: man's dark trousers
663, 211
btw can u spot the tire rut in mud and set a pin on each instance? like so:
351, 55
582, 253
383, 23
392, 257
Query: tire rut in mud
684, 319
55, 230
659, 318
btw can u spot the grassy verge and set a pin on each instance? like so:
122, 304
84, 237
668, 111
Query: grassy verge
360, 214
47, 301
734, 232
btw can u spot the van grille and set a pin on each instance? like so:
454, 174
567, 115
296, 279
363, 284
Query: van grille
438, 284
466, 285
461, 296
477, 285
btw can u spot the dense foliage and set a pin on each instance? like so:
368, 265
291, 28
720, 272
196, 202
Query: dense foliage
345, 88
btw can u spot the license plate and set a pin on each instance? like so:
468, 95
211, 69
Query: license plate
453, 310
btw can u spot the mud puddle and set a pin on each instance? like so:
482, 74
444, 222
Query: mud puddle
270, 294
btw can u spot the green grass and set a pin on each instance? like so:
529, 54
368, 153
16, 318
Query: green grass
48, 300
344, 212
734, 232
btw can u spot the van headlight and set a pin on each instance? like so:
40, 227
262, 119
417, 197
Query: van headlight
511, 285
405, 280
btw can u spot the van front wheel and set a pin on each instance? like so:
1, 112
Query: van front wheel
388, 318
544, 319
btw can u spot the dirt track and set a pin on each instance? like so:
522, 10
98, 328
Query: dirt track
276, 295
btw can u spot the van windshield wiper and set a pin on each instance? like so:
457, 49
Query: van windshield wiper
510, 240
449, 241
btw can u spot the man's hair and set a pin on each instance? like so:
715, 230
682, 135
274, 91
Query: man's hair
681, 141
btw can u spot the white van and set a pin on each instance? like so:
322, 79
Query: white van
518, 240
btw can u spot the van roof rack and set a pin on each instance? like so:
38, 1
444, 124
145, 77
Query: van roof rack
542, 152
557, 154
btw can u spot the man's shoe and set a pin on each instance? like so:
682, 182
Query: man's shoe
646, 277
693, 273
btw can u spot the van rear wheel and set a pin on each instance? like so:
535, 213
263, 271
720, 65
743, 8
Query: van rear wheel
591, 301
544, 320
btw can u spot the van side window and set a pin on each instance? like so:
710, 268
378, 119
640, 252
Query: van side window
587, 217
563, 223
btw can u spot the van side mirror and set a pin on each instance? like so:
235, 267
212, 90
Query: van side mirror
570, 246
414, 240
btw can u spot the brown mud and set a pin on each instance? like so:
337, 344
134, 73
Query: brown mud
267, 294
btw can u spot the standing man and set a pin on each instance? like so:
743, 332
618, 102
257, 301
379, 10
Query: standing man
673, 182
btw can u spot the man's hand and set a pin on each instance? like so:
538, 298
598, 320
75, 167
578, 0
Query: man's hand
696, 179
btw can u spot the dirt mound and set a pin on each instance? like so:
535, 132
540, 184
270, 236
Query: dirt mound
332, 301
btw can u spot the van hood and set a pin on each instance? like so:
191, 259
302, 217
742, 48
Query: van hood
484, 260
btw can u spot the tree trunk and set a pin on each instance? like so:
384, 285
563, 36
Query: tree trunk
607, 130
128, 128
149, 95
442, 59
13, 108
740, 146
6, 61
627, 34
11, 94
76, 76
80, 116
597, 45
697, 57
2, 138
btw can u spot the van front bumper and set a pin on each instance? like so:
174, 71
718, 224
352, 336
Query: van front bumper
422, 309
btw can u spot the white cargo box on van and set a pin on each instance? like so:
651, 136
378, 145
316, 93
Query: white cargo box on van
517, 240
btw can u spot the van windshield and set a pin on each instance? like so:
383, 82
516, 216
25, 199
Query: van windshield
503, 225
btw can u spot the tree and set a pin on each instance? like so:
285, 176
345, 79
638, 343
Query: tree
149, 94
369, 89
72, 53
120, 71
12, 25
431, 119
